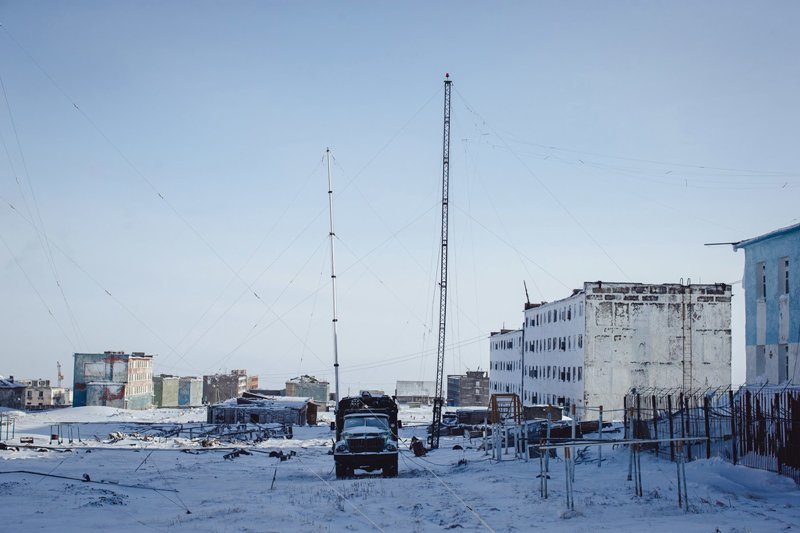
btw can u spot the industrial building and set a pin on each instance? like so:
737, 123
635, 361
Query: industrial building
421, 392
40, 395
113, 379
590, 348
220, 387
772, 306
254, 408
12, 394
469, 389
308, 386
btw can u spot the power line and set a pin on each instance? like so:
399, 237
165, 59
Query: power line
38, 294
40, 233
547, 189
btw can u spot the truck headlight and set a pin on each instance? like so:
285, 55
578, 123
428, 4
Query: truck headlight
391, 446
341, 447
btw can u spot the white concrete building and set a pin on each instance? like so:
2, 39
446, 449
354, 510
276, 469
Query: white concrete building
505, 367
592, 347
40, 395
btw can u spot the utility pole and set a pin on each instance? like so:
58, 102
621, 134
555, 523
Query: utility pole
332, 236
438, 400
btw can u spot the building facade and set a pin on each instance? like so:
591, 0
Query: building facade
165, 390
772, 306
220, 387
308, 387
190, 391
113, 379
505, 362
40, 395
422, 392
470, 389
12, 394
590, 348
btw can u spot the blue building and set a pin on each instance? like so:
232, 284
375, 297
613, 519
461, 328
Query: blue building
772, 305
113, 379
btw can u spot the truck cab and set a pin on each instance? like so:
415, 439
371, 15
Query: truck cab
366, 435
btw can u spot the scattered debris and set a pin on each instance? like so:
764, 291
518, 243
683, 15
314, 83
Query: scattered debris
282, 456
235, 453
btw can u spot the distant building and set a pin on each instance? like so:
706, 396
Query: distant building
40, 395
190, 391
113, 379
772, 306
254, 408
12, 394
165, 390
220, 387
469, 389
175, 391
422, 392
589, 349
252, 382
308, 386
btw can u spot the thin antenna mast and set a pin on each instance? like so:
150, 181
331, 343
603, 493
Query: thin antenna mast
331, 234
438, 400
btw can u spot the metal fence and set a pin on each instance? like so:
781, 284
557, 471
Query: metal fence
757, 427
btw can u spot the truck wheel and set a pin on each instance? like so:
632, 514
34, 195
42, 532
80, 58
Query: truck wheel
390, 468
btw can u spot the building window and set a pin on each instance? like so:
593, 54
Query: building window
761, 280
785, 275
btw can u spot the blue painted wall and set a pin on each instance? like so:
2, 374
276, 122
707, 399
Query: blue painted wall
770, 251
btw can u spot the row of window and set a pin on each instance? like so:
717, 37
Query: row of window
139, 389
562, 373
554, 344
783, 277
506, 365
504, 345
567, 312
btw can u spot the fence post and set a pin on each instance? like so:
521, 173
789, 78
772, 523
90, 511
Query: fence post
625, 417
671, 433
688, 431
655, 425
776, 424
600, 438
707, 412
636, 430
733, 426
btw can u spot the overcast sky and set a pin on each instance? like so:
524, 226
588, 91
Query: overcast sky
165, 165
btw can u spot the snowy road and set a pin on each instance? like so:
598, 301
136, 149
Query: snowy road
449, 489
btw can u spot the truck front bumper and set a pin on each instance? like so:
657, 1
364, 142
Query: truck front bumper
368, 461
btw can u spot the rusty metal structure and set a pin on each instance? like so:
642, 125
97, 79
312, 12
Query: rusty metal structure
505, 407
758, 427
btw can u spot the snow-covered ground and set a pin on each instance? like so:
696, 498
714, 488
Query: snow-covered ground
200, 490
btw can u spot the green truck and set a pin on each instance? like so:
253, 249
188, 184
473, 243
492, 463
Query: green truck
366, 435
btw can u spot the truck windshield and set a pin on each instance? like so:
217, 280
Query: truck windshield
359, 422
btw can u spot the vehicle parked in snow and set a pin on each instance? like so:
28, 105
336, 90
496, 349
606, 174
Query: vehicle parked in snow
366, 435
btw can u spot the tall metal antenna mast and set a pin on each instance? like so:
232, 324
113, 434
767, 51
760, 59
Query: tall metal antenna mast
332, 236
438, 400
